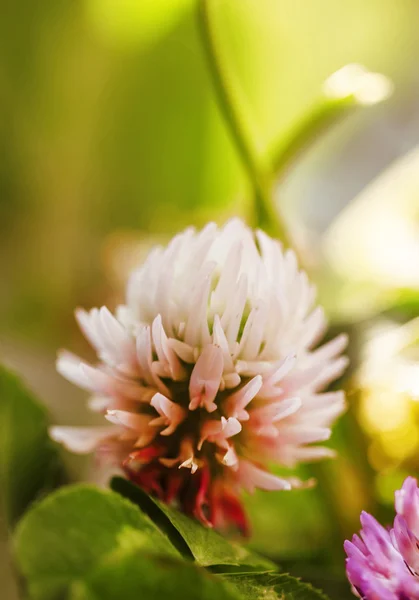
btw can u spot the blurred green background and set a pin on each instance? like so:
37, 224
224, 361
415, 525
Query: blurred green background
112, 138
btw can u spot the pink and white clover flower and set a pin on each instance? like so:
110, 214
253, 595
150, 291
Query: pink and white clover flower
208, 372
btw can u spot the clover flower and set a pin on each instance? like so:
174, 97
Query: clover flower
207, 374
383, 564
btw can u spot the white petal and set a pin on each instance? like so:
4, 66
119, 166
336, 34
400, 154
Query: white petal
297, 434
253, 332
184, 351
165, 353
275, 411
68, 365
219, 339
172, 413
196, 331
230, 427
82, 440
330, 372
135, 421
99, 403
237, 402
229, 276
329, 350
252, 477
314, 328
313, 453
230, 458
206, 378
233, 314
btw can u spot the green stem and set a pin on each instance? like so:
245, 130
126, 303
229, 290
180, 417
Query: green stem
320, 117
266, 215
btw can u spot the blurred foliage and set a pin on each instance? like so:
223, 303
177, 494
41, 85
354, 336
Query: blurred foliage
29, 465
111, 123
84, 543
381, 267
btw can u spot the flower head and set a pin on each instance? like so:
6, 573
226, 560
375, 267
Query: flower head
384, 564
207, 373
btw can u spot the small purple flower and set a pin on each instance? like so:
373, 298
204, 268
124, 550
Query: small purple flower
384, 564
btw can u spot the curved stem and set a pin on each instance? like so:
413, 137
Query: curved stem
266, 215
350, 87
320, 117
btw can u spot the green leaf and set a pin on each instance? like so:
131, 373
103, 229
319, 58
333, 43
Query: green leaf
273, 586
206, 546
132, 575
28, 461
64, 537
151, 508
